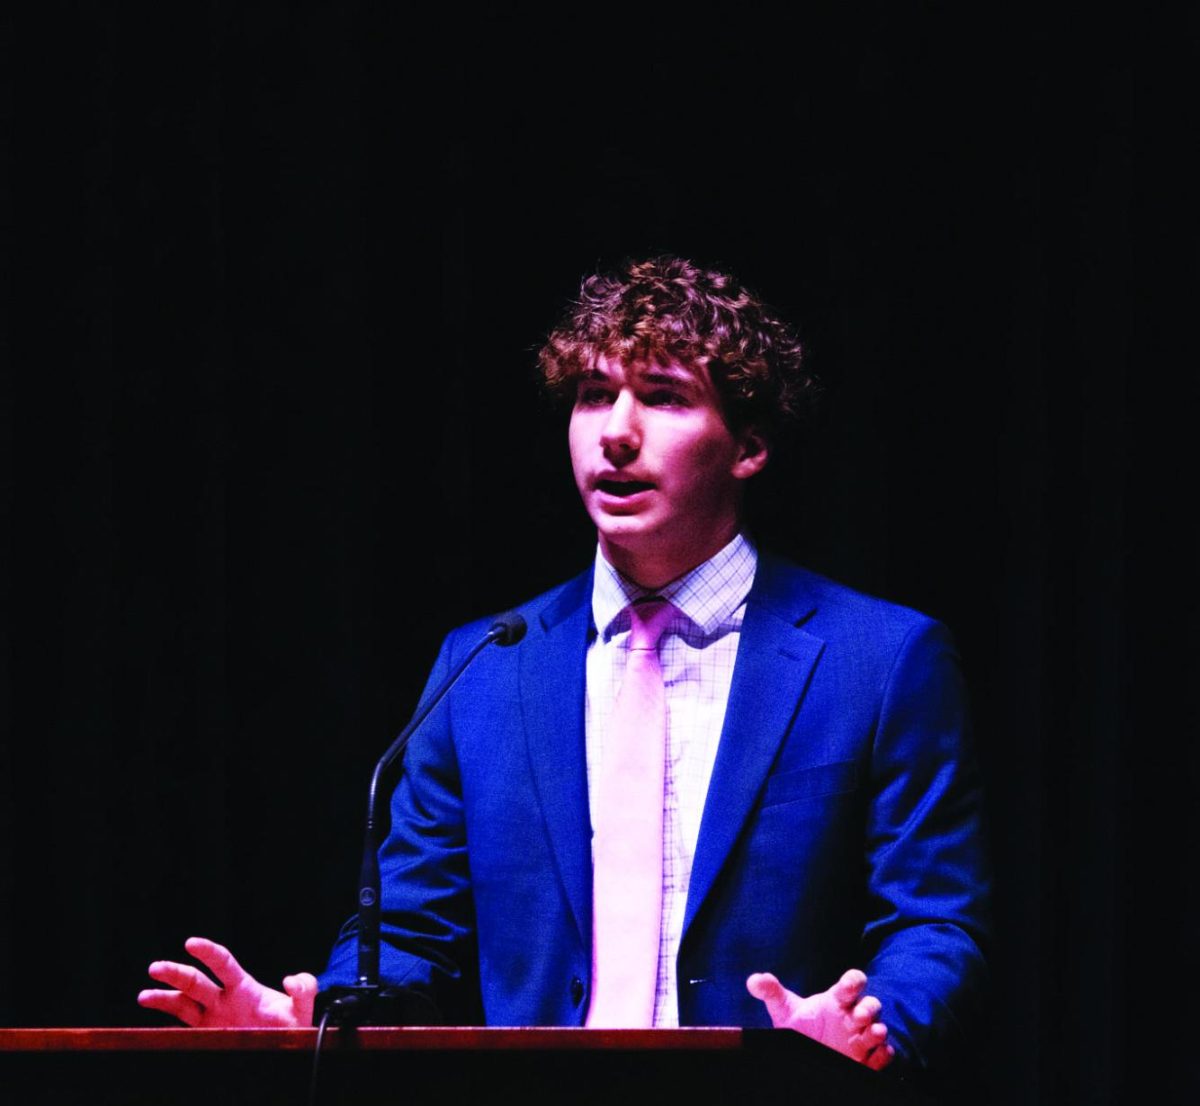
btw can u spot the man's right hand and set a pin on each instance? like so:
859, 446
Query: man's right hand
240, 1000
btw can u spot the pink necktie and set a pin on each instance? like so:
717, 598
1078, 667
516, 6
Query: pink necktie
627, 846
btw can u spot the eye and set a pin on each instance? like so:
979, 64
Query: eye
592, 395
665, 397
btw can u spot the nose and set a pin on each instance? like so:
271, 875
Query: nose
621, 435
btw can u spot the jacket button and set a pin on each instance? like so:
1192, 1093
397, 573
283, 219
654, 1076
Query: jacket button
577, 990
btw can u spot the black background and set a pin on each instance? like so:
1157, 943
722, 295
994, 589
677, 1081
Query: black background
276, 274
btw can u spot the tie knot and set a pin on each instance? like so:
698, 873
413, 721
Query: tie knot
648, 619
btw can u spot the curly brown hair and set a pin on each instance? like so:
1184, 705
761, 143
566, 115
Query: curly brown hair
670, 308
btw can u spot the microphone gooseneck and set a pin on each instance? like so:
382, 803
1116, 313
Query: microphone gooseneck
366, 1002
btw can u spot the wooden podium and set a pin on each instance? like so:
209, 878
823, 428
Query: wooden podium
708, 1067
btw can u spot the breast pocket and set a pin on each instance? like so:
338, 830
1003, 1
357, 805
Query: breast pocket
809, 783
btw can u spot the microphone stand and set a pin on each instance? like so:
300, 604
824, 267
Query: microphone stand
368, 1002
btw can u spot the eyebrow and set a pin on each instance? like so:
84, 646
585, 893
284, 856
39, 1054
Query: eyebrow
658, 375
668, 376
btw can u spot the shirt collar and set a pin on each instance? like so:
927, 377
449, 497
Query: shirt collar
708, 595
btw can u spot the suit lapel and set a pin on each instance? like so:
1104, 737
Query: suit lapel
774, 662
552, 674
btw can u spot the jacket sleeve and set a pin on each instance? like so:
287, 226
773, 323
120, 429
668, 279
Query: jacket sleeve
928, 884
427, 913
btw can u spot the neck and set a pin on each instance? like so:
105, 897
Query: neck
655, 568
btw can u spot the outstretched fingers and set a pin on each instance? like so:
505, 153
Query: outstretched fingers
173, 1003
184, 978
846, 991
217, 959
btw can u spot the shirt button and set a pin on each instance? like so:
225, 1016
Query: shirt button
577, 990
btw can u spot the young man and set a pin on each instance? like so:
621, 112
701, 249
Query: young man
708, 787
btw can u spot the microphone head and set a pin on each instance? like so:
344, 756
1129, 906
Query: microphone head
508, 628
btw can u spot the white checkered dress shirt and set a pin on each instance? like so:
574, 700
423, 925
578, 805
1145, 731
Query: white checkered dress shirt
697, 652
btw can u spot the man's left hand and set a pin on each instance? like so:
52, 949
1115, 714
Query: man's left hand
843, 1017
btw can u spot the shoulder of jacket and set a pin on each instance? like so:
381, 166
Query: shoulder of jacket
546, 609
822, 602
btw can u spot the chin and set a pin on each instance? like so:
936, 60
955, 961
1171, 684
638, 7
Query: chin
627, 538
630, 536
619, 525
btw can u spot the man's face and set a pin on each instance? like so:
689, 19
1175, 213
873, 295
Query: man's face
659, 471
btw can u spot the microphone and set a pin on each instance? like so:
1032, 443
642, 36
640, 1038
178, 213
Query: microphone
509, 628
366, 1002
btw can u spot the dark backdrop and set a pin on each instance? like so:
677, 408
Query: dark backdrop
276, 274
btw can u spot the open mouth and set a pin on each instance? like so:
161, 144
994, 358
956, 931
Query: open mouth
623, 488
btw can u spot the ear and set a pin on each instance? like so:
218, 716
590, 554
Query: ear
752, 455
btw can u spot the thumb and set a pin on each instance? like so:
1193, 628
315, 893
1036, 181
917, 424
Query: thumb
302, 989
776, 997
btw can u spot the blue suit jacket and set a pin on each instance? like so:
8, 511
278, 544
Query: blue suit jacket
841, 827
